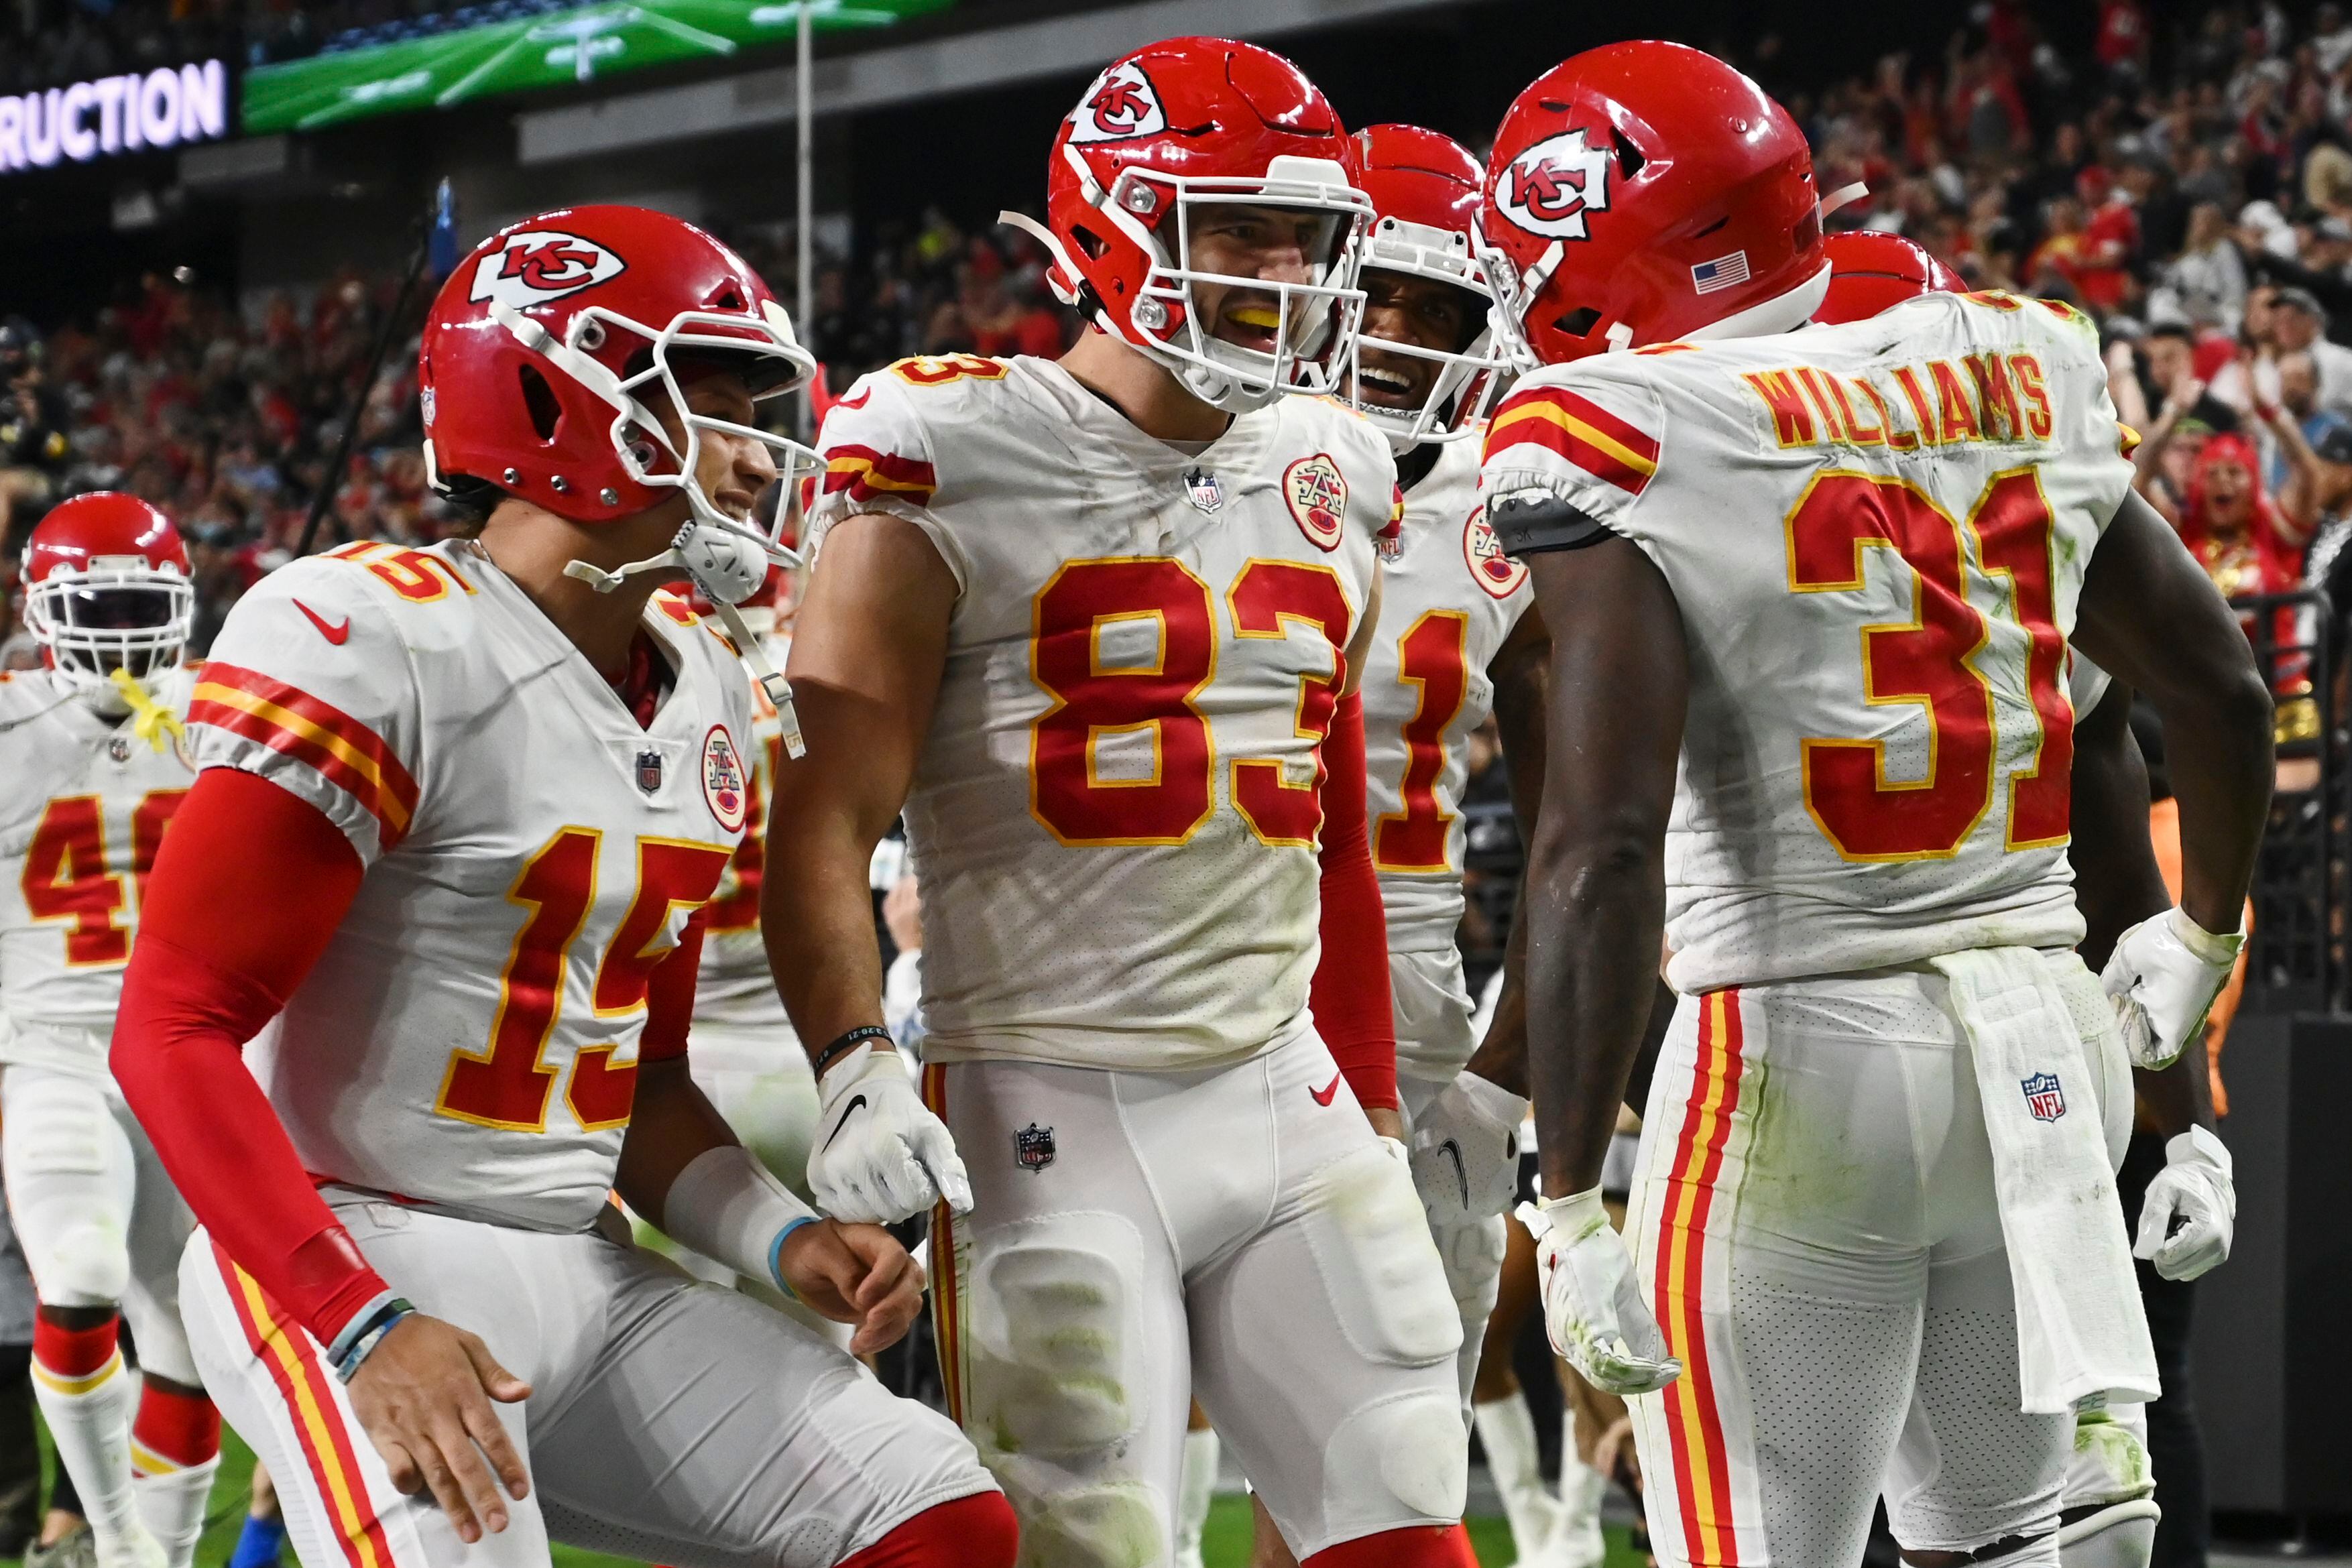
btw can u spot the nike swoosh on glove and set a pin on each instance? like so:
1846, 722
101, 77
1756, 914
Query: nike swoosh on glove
1465, 1152
2194, 1189
2162, 979
1594, 1314
880, 1154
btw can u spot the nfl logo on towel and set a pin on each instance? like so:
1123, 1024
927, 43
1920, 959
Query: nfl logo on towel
2044, 1097
1723, 272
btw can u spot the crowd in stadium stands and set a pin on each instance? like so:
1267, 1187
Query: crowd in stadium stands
2190, 186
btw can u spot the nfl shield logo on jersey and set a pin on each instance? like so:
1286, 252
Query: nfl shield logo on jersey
2044, 1097
649, 771
1032, 1148
1200, 488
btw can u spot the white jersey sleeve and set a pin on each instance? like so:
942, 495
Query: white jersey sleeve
1564, 464
311, 687
877, 458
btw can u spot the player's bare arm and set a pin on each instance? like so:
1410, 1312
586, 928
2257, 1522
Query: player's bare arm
867, 657
1596, 877
868, 653
1596, 923
1517, 672
2151, 617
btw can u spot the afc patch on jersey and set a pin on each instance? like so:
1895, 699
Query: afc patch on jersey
2044, 1097
722, 779
1317, 494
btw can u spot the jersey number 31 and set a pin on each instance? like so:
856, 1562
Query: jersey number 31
1933, 661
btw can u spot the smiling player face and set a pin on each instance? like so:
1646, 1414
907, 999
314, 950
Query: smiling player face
1271, 245
1402, 309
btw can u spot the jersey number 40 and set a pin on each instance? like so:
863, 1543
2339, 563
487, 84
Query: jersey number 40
1933, 662
66, 878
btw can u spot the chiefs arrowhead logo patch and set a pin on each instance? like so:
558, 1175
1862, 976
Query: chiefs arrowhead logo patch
1549, 189
724, 787
537, 266
1317, 494
1120, 105
1481, 552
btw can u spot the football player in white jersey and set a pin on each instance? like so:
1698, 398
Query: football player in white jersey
93, 762
2109, 1510
458, 814
1824, 585
1090, 621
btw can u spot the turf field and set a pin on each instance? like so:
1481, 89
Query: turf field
574, 44
1226, 1546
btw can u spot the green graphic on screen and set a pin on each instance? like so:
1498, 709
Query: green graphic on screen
547, 47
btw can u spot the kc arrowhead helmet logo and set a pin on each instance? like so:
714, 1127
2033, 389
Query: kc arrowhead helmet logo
1120, 105
1549, 189
537, 266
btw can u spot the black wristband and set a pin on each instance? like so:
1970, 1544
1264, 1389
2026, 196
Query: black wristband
847, 1043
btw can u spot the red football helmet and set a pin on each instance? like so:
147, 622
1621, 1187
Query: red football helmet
1424, 192
538, 347
1870, 270
1643, 192
107, 587
1184, 124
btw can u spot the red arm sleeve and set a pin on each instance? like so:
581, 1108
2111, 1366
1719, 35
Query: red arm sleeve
670, 994
1349, 994
247, 888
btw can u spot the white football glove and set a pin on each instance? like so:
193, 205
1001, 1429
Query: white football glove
1465, 1152
2162, 979
880, 1154
2194, 1187
1594, 1314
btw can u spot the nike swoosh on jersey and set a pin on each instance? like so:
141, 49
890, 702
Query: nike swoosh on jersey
1323, 1095
335, 634
857, 1103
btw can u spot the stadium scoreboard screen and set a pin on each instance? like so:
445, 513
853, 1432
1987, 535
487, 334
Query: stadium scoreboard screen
526, 47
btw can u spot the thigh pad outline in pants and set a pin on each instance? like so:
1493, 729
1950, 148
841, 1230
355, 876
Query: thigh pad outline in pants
1340, 1306
1059, 1314
72, 1180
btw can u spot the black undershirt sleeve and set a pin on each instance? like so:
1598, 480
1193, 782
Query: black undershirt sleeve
1534, 524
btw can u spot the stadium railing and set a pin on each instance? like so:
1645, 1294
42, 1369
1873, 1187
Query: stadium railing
2296, 956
